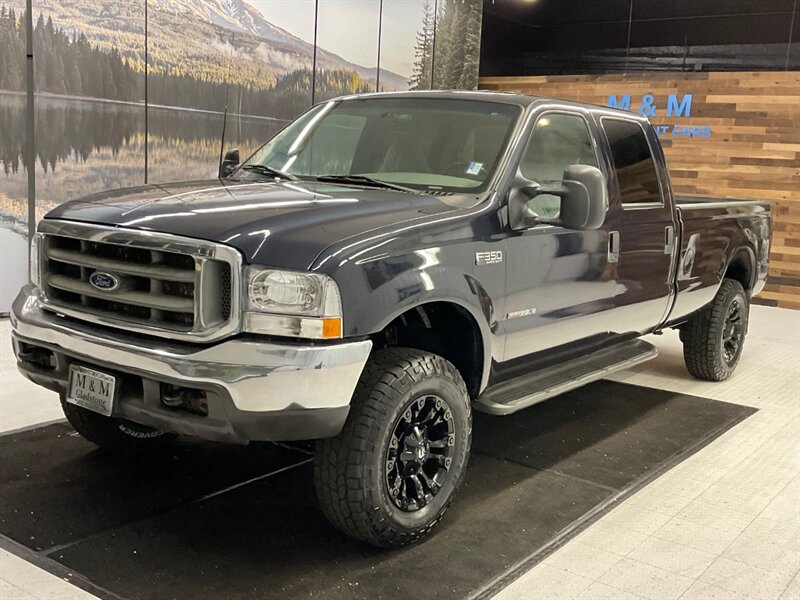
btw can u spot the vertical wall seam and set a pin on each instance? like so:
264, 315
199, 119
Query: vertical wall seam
433, 41
378, 68
146, 99
791, 31
628, 44
31, 125
314, 55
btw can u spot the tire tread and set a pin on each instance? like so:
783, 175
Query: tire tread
702, 351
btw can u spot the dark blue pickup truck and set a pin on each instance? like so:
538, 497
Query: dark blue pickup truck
384, 265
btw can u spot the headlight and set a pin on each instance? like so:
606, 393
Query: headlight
292, 303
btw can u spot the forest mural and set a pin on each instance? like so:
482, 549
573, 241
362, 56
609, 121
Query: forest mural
249, 64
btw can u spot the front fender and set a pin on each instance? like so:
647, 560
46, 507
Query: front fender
376, 292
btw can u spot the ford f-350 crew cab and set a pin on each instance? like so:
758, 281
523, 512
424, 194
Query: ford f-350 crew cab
382, 266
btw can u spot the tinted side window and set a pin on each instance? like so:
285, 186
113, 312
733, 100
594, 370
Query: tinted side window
633, 162
558, 141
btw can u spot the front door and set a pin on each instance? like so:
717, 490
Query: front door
559, 286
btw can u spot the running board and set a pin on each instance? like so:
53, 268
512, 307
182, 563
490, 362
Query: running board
521, 392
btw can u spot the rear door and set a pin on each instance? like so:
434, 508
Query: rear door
642, 227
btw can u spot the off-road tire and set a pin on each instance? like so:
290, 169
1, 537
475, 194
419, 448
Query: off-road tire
113, 433
703, 348
350, 469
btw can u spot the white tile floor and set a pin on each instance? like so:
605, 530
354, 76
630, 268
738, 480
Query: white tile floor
724, 524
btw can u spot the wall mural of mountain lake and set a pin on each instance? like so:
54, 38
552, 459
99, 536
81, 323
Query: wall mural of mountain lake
254, 59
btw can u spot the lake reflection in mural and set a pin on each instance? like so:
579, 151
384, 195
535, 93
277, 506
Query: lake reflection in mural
85, 146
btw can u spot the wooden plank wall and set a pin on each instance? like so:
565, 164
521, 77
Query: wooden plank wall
753, 150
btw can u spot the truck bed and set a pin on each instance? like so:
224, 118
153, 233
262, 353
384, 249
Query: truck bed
713, 232
704, 202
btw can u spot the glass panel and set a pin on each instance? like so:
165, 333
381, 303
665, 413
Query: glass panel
406, 44
633, 162
90, 125
13, 182
201, 63
347, 53
558, 141
554, 37
89, 118
793, 57
457, 47
710, 35
285, 51
568, 37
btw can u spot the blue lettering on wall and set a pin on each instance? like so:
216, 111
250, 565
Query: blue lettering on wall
677, 106
648, 108
691, 132
677, 110
624, 103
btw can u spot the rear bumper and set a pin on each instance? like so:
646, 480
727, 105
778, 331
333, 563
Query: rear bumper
254, 389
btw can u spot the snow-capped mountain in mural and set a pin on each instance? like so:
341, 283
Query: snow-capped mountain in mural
236, 15
218, 40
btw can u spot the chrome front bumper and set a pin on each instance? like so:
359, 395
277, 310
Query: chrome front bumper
258, 389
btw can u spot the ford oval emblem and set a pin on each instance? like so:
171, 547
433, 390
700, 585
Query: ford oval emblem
104, 281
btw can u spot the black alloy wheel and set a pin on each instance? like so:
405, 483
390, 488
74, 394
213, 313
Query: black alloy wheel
420, 453
732, 331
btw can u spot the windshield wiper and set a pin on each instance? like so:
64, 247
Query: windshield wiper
265, 170
364, 180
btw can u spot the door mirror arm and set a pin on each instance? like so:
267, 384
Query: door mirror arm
531, 190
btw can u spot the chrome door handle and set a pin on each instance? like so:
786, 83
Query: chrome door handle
613, 246
669, 239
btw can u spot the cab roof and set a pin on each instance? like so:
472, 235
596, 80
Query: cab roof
522, 100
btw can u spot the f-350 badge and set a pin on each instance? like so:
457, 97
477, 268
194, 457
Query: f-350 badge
490, 257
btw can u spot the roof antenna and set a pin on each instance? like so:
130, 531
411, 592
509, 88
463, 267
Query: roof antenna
222, 140
225, 119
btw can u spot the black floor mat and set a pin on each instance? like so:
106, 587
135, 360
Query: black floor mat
151, 526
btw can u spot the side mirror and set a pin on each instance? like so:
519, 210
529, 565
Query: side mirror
585, 204
584, 198
229, 163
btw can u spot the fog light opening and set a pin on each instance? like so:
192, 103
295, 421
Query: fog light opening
37, 356
184, 398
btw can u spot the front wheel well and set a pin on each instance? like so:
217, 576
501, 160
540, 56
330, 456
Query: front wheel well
442, 328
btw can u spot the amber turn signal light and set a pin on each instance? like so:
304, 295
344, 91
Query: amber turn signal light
331, 328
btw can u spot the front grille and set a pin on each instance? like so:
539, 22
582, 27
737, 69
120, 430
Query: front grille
157, 288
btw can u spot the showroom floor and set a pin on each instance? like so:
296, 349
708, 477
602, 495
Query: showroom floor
724, 523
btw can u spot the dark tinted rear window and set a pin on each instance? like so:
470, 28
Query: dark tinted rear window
633, 162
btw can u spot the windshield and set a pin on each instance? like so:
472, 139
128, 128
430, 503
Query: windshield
428, 144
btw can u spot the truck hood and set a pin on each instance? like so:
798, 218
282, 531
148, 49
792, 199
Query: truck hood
281, 224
